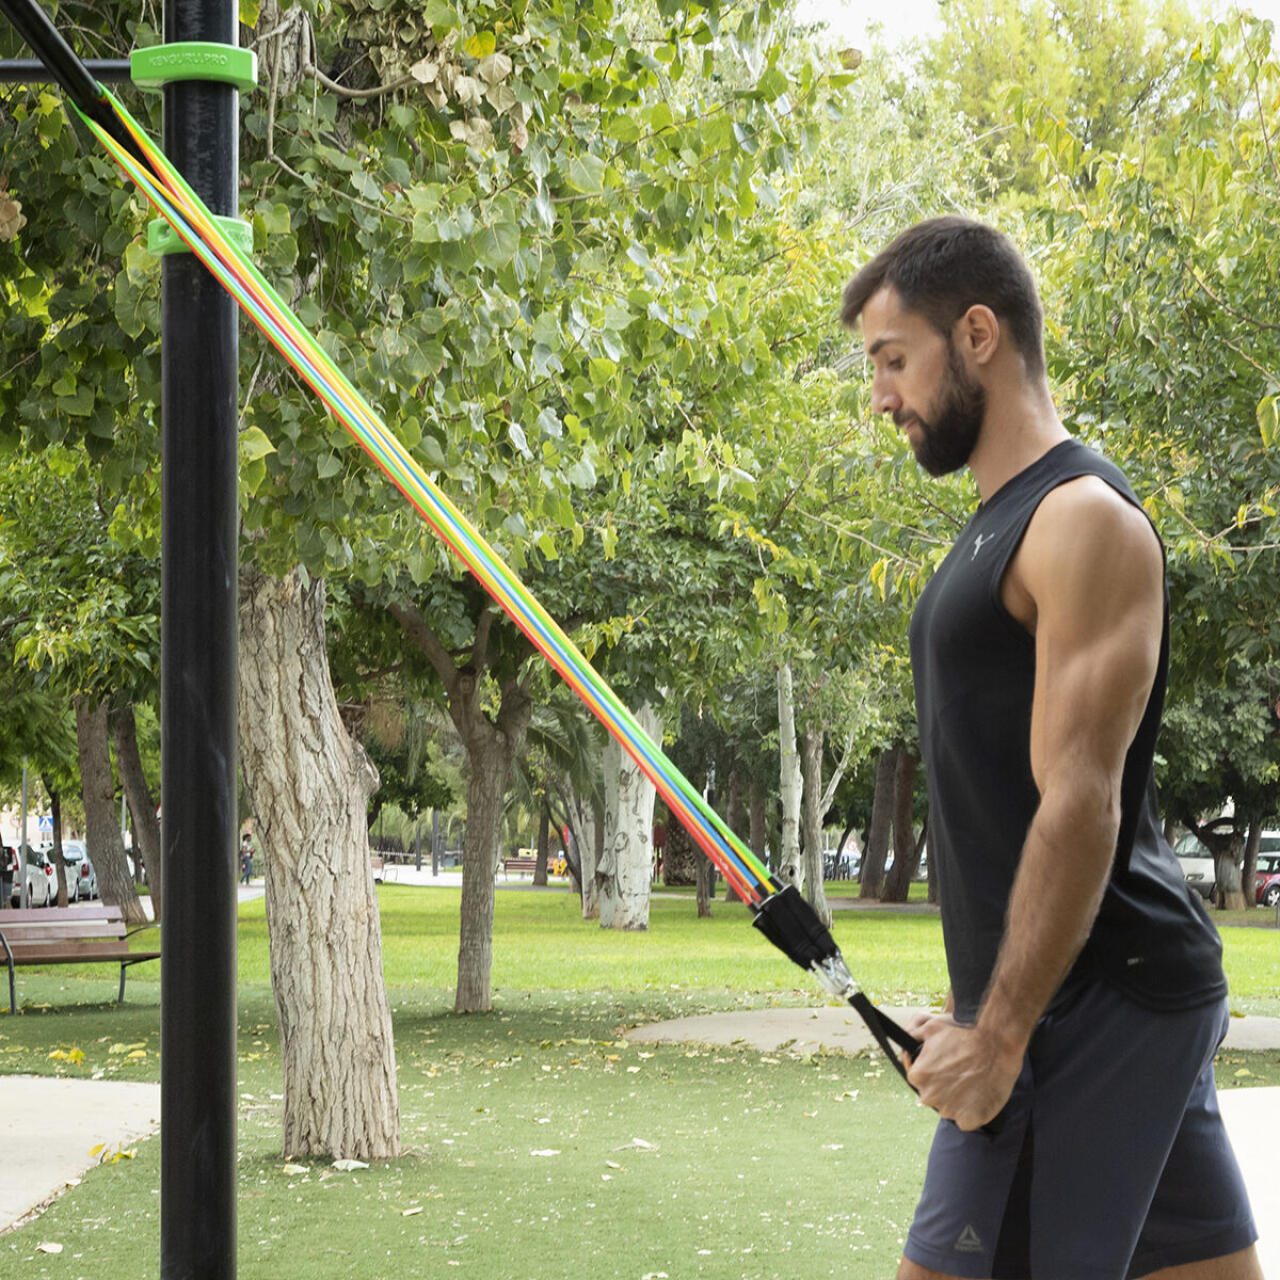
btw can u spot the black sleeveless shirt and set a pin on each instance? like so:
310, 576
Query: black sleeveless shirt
974, 669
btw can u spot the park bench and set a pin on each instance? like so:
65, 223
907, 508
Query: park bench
519, 865
67, 935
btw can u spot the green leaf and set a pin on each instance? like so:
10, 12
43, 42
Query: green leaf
1269, 421
495, 245
480, 45
254, 444
772, 84
586, 174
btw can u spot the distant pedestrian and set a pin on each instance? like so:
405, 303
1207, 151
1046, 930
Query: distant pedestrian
246, 860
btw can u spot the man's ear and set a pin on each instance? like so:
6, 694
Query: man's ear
977, 333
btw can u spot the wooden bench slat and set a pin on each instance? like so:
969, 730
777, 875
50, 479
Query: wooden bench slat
21, 915
27, 953
71, 929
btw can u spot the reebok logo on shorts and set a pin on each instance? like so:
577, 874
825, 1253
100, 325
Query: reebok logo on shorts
969, 1242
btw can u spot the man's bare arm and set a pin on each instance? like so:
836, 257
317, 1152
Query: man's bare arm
1088, 582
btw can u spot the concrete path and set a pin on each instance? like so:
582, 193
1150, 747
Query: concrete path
43, 1156
1252, 1115
839, 1027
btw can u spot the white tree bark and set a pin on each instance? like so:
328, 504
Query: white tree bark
789, 869
625, 872
587, 823
811, 742
309, 784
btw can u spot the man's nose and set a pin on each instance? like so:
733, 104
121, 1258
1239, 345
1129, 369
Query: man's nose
884, 399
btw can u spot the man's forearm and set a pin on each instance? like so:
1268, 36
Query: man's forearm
1062, 875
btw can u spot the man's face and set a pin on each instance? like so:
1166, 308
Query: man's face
921, 380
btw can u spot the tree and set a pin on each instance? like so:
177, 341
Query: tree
1106, 68
314, 844
81, 614
1162, 277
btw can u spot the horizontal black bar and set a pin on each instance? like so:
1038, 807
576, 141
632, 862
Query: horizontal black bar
33, 71
32, 23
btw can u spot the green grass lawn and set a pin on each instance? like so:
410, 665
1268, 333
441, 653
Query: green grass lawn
539, 1143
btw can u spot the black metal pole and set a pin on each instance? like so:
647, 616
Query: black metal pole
199, 364
33, 71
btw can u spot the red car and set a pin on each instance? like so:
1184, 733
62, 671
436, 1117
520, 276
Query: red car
1268, 877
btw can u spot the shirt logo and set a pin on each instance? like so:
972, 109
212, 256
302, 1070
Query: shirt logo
979, 542
969, 1242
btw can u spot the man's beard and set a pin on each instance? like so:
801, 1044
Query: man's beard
947, 441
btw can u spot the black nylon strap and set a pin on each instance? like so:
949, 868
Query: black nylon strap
885, 1030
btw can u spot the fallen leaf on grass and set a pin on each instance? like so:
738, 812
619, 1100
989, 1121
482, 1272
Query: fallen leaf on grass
637, 1144
408, 1213
548, 1151
47, 1246
349, 1166
105, 1155
292, 1169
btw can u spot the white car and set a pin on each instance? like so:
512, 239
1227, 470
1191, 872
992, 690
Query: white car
1197, 864
42, 882
82, 880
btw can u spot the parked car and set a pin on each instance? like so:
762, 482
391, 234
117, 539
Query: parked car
1197, 865
1269, 890
1268, 878
42, 881
82, 879
8, 869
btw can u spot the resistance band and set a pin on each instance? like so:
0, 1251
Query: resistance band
781, 912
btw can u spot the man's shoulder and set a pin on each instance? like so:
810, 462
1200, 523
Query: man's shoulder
1087, 512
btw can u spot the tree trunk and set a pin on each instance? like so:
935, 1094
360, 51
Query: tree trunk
55, 815
789, 869
492, 741
142, 803
681, 859
757, 807
1230, 890
588, 828
544, 846
906, 852
625, 872
490, 757
877, 844
706, 885
811, 742
1252, 846
309, 784
102, 835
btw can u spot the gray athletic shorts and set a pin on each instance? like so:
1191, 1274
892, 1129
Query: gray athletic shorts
1112, 1163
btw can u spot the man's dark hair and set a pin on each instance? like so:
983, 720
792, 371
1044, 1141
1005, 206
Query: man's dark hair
942, 267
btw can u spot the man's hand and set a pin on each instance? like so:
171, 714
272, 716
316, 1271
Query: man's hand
961, 1072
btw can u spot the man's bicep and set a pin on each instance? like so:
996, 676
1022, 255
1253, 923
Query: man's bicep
1096, 572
